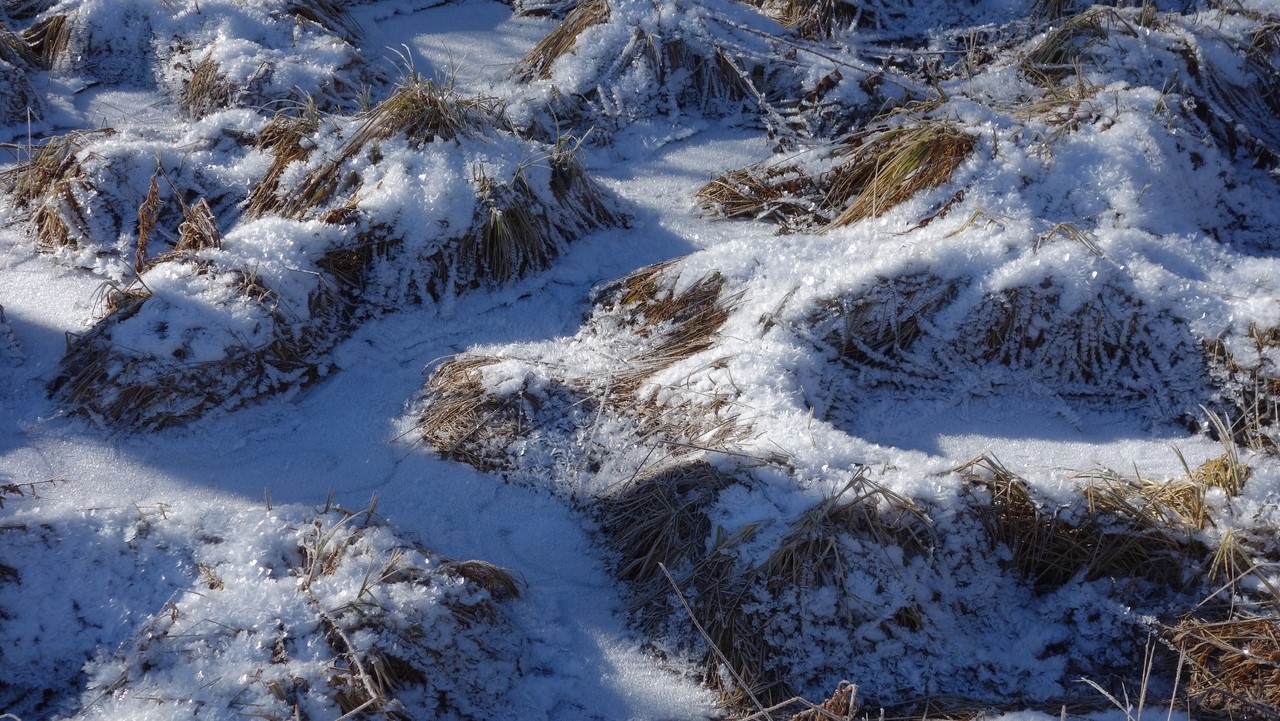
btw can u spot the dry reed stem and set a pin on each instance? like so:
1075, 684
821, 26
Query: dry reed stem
148, 216
537, 63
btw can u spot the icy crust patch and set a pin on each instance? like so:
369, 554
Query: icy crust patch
155, 612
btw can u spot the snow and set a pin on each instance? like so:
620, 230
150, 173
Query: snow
178, 560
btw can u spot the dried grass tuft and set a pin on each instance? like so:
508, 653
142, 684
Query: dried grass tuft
1232, 667
1250, 390
1118, 533
119, 387
199, 229
287, 138
52, 186
660, 519
880, 326
878, 169
1058, 54
48, 40
332, 15
207, 90
888, 167
679, 323
815, 19
465, 420
537, 63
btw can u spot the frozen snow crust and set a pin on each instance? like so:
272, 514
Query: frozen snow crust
904, 355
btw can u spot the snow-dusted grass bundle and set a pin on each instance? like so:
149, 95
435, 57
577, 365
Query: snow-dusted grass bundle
285, 613
495, 413
536, 64
469, 419
418, 110
675, 323
207, 90
212, 54
1236, 80
877, 169
614, 62
1100, 347
179, 368
52, 186
660, 519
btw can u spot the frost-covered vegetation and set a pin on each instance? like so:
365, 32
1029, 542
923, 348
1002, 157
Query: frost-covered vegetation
899, 357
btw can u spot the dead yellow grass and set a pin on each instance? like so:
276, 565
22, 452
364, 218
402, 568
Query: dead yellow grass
537, 63
1117, 532
52, 185
1232, 666
875, 171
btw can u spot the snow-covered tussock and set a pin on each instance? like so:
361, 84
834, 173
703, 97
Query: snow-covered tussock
289, 613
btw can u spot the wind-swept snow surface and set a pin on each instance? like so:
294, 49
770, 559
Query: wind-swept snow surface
638, 360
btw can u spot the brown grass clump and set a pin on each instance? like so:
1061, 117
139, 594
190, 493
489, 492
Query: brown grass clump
121, 388
332, 15
677, 324
778, 193
537, 63
880, 171
287, 138
1058, 54
815, 19
465, 421
660, 519
48, 40
875, 171
1238, 114
1106, 343
52, 186
207, 90
1232, 667
1117, 534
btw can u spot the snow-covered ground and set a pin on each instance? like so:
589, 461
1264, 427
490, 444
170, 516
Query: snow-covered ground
337, 442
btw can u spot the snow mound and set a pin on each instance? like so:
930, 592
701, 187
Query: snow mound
426, 195
288, 612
